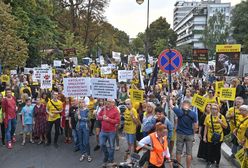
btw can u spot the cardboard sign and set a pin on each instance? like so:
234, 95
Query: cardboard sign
124, 75
106, 70
38, 72
46, 80
75, 87
13, 72
240, 155
200, 55
57, 63
104, 88
228, 94
5, 78
27, 70
137, 95
148, 71
219, 85
112, 66
200, 102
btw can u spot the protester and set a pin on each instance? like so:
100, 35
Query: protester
72, 124
148, 121
1, 121
68, 132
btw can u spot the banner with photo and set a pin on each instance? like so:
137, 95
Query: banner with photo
227, 60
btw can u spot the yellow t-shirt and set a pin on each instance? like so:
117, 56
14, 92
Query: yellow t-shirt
91, 108
52, 109
241, 132
217, 126
129, 125
238, 118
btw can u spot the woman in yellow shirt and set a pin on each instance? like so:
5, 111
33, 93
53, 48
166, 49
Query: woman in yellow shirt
213, 134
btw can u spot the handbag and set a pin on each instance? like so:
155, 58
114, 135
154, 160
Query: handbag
216, 136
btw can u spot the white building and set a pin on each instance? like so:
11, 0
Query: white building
190, 28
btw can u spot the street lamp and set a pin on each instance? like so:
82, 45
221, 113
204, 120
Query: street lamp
147, 26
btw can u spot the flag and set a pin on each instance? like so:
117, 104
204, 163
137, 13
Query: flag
154, 75
141, 79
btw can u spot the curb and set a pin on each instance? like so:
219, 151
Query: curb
227, 152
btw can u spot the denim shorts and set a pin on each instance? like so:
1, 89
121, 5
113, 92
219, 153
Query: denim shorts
28, 128
130, 138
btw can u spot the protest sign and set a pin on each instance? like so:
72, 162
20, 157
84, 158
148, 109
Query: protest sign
106, 70
200, 56
228, 94
5, 78
104, 88
137, 95
13, 72
148, 71
57, 63
240, 155
219, 85
38, 72
112, 66
200, 102
46, 80
124, 75
27, 70
75, 87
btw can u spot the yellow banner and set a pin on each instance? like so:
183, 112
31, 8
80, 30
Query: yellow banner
228, 48
218, 86
240, 155
5, 78
228, 94
136, 95
200, 102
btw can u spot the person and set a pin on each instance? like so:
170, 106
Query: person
157, 145
92, 117
186, 127
109, 117
234, 117
130, 123
242, 132
68, 133
25, 89
40, 118
213, 135
72, 124
9, 113
54, 108
245, 88
148, 121
1, 121
27, 121
123, 95
203, 145
83, 131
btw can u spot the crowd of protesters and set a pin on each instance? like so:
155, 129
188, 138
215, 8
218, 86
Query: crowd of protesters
165, 118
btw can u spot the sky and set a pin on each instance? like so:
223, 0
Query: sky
128, 16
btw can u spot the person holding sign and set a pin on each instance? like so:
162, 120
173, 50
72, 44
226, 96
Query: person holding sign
54, 108
213, 135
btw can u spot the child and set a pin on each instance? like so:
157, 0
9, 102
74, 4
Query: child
27, 120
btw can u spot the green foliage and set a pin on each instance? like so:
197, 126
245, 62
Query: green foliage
13, 50
216, 32
186, 51
239, 23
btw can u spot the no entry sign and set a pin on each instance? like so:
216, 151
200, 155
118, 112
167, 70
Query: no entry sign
170, 61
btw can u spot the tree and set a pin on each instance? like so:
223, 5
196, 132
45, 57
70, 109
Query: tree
186, 51
13, 50
216, 32
239, 23
137, 45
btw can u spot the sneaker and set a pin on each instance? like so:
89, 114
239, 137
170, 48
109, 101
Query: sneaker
9, 145
82, 158
14, 139
31, 141
23, 143
117, 148
97, 147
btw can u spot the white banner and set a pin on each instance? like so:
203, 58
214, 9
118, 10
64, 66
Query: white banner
26, 70
46, 80
124, 75
57, 63
74, 87
112, 66
106, 70
104, 88
13, 72
116, 55
38, 72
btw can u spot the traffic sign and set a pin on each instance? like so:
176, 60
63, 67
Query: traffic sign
170, 61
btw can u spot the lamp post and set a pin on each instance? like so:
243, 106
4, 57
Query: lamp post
147, 26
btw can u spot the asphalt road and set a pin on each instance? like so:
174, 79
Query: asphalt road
39, 156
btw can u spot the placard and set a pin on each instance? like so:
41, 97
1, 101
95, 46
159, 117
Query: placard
27, 70
75, 87
5, 78
137, 95
38, 72
200, 56
57, 63
104, 88
13, 72
124, 75
228, 94
148, 71
46, 80
200, 102
106, 70
219, 85
112, 66
240, 155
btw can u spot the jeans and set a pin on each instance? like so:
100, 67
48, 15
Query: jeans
110, 137
10, 130
75, 139
84, 136
50, 126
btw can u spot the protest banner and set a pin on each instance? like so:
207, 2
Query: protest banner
104, 88
218, 86
228, 94
137, 95
5, 78
57, 63
46, 80
124, 75
13, 72
69, 52
200, 56
37, 72
112, 66
240, 156
106, 70
200, 102
75, 87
